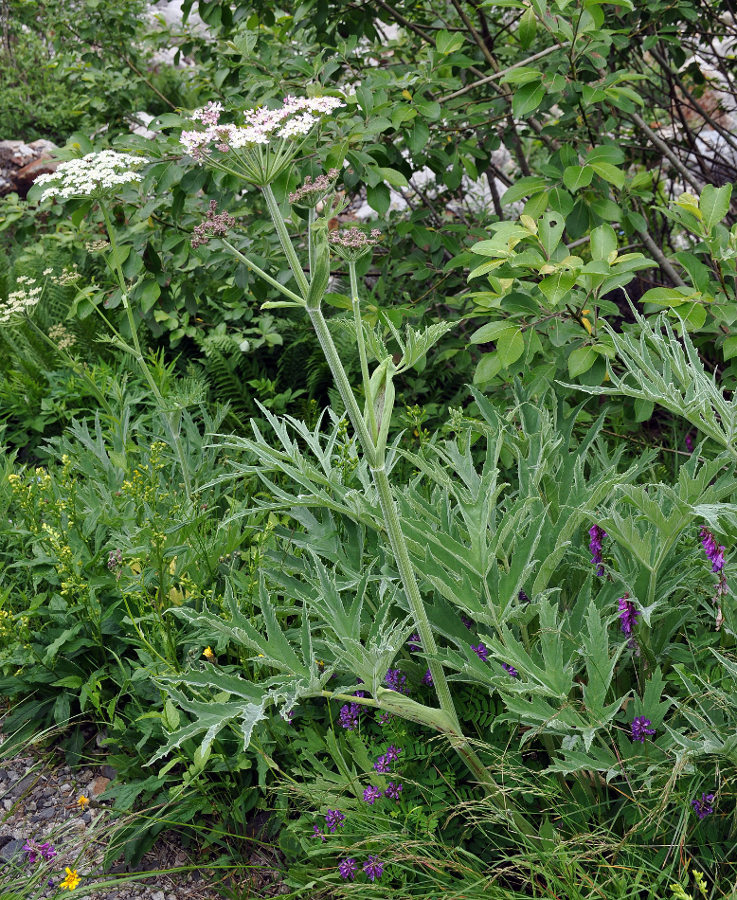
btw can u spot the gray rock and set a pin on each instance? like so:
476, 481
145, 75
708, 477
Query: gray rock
22, 785
11, 849
157, 895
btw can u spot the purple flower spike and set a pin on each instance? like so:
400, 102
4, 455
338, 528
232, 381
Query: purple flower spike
349, 716
510, 670
334, 818
714, 552
481, 651
317, 833
347, 868
371, 794
385, 718
394, 791
414, 645
597, 535
467, 622
373, 868
688, 440
396, 681
640, 727
628, 614
427, 678
703, 807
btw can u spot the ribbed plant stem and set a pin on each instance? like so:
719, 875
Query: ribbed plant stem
400, 551
286, 241
356, 303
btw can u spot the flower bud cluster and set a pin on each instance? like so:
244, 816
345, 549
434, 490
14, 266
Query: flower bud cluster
312, 192
92, 175
215, 225
61, 337
352, 243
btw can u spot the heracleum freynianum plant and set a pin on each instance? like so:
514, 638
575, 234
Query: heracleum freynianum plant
258, 152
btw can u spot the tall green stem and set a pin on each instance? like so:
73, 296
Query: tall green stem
406, 571
358, 322
138, 355
286, 241
376, 459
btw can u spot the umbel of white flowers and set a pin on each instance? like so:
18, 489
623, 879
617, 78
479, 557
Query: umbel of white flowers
259, 150
94, 175
20, 301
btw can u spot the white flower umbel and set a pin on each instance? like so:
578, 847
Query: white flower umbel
94, 175
262, 148
20, 301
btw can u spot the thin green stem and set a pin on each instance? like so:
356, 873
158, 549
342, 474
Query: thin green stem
77, 369
311, 216
138, 355
356, 303
406, 571
343, 384
286, 241
259, 271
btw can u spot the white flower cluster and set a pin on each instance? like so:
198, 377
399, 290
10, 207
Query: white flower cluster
61, 337
21, 300
296, 117
92, 175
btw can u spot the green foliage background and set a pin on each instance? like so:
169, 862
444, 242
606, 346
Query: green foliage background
601, 260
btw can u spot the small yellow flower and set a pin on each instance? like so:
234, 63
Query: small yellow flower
71, 881
83, 801
208, 654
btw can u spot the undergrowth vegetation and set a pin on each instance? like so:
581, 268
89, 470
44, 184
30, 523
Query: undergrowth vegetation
369, 430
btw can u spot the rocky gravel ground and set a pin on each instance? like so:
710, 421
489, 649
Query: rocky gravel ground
40, 801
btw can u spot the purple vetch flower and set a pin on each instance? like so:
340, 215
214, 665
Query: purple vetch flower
640, 727
597, 535
390, 755
510, 670
414, 644
714, 552
688, 440
347, 868
628, 614
393, 753
427, 678
317, 833
334, 818
373, 868
385, 718
395, 681
394, 791
703, 807
481, 650
371, 794
467, 622
359, 693
349, 716
522, 597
